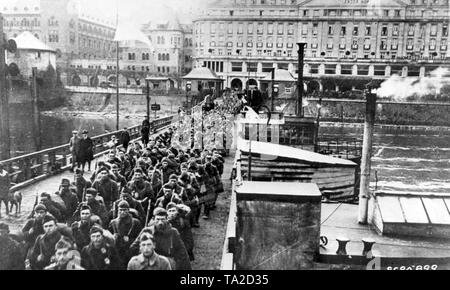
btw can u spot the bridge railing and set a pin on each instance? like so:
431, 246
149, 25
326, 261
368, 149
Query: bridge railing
230, 245
26, 169
349, 148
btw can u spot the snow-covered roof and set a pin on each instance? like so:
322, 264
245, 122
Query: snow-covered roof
26, 40
202, 73
281, 75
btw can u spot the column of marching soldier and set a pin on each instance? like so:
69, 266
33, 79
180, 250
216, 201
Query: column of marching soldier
135, 212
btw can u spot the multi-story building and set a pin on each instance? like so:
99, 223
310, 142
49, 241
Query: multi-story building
243, 40
173, 44
62, 26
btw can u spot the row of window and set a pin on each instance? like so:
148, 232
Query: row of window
362, 70
329, 53
15, 8
133, 68
331, 43
25, 22
145, 56
346, 12
342, 28
250, 28
95, 44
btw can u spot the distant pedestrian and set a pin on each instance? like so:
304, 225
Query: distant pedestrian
5, 185
74, 144
145, 131
86, 152
125, 138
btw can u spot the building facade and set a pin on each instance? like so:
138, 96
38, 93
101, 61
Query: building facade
62, 26
173, 44
244, 40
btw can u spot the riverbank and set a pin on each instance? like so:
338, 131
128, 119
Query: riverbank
67, 112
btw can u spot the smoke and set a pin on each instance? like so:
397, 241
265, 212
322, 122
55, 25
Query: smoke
400, 88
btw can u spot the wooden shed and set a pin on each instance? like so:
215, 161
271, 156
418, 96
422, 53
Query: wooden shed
335, 177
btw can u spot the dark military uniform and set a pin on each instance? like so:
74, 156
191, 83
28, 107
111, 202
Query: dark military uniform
38, 230
70, 200
126, 231
12, 254
45, 246
103, 258
169, 244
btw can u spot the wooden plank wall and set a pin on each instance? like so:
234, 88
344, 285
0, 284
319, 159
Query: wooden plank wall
337, 183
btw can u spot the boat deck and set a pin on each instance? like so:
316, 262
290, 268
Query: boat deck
341, 220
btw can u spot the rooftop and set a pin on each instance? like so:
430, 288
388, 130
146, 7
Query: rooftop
26, 40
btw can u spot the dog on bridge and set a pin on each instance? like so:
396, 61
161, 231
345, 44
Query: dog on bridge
15, 200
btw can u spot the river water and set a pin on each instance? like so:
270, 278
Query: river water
55, 130
404, 160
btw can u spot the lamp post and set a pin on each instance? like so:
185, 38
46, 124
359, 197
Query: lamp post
148, 97
188, 90
273, 90
301, 55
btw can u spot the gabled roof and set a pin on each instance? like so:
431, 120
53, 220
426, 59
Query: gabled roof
281, 75
202, 73
342, 4
28, 41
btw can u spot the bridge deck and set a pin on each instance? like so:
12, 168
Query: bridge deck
208, 238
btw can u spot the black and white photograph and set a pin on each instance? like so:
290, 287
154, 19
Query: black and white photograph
231, 135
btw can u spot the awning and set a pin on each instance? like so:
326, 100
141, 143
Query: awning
202, 74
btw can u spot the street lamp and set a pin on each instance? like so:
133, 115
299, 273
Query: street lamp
188, 90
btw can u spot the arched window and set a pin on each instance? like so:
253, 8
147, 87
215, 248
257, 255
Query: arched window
167, 57
159, 56
163, 56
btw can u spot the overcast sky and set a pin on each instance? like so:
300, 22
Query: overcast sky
142, 11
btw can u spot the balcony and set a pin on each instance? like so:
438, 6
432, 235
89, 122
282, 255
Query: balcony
290, 45
249, 44
409, 47
354, 46
341, 46
432, 47
367, 47
269, 45
329, 46
443, 47
259, 44
314, 45
394, 47
279, 45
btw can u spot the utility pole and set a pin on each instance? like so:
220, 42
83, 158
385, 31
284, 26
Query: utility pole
301, 55
4, 103
366, 159
148, 99
117, 87
36, 114
272, 108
